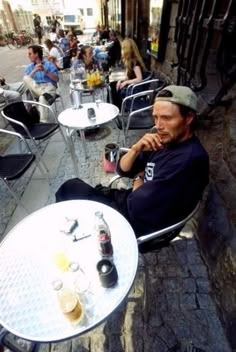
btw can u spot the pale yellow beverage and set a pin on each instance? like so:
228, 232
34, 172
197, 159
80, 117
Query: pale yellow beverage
61, 260
70, 306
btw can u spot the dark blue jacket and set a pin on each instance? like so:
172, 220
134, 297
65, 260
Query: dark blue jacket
175, 178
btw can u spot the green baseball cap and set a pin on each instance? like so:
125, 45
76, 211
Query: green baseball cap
180, 95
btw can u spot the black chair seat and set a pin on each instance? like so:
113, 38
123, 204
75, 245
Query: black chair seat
14, 165
43, 130
23, 123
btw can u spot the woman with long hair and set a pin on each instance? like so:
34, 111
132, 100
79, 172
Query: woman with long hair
135, 68
55, 54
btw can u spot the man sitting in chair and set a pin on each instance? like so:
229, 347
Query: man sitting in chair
170, 168
41, 77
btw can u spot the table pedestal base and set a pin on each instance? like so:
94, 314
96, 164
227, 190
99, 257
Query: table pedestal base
96, 134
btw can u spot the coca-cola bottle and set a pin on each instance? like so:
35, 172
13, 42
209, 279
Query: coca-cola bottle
104, 236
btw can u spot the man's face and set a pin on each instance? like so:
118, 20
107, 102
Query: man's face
171, 126
32, 56
88, 54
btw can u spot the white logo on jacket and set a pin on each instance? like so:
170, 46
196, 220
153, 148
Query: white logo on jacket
149, 171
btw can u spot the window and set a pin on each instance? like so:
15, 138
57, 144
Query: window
89, 12
155, 23
159, 27
81, 12
69, 18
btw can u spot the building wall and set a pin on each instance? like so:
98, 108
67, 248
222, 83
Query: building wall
7, 19
217, 226
69, 7
24, 20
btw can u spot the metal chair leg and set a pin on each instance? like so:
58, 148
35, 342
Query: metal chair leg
18, 201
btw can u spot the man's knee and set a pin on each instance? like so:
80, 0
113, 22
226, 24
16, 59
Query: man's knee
42, 100
12, 96
74, 188
26, 79
67, 190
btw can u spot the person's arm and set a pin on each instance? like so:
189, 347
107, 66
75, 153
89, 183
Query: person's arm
39, 67
149, 142
118, 85
53, 76
137, 79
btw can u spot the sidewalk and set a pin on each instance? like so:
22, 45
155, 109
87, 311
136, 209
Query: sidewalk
180, 297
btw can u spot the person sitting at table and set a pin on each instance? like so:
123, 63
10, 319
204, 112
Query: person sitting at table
73, 45
96, 34
86, 56
63, 42
41, 77
134, 70
110, 54
53, 35
104, 34
55, 54
169, 168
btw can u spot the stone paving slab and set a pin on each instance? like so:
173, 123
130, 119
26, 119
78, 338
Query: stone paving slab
180, 297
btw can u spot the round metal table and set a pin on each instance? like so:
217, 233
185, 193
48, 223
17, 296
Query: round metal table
28, 303
77, 119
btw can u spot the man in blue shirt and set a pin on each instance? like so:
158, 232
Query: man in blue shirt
170, 168
41, 77
64, 43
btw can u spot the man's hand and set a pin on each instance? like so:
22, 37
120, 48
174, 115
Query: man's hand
149, 142
38, 67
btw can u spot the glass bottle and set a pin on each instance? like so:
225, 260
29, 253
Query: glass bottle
68, 302
104, 236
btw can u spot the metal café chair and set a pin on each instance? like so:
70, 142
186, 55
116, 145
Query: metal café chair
13, 166
147, 76
19, 118
136, 109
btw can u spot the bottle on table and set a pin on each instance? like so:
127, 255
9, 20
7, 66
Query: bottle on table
104, 236
68, 301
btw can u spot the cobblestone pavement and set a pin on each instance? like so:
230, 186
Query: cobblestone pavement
181, 305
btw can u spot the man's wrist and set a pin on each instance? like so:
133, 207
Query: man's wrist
134, 148
139, 177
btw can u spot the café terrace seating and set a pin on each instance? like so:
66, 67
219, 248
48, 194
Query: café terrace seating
136, 109
36, 132
14, 165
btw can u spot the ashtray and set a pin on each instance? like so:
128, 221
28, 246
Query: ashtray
107, 273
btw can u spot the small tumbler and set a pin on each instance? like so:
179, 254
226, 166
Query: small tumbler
107, 273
